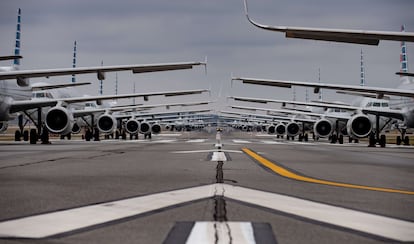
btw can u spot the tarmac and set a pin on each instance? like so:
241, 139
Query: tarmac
182, 188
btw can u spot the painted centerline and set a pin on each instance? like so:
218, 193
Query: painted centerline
286, 173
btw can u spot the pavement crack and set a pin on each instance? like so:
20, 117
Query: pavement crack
220, 209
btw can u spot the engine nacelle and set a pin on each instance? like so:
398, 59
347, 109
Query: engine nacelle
132, 126
23, 82
76, 129
106, 124
359, 126
322, 128
3, 126
271, 129
59, 120
144, 127
280, 129
292, 129
155, 128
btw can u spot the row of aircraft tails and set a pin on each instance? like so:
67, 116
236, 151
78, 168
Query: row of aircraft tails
57, 109
374, 110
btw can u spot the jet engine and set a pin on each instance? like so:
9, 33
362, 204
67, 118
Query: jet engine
132, 126
106, 124
322, 128
292, 129
76, 128
59, 120
271, 129
3, 126
155, 128
280, 129
144, 127
359, 126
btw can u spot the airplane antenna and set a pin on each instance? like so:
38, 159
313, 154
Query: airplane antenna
16, 61
74, 61
362, 83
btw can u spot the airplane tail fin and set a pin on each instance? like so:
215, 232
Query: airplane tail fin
403, 60
74, 61
362, 82
16, 61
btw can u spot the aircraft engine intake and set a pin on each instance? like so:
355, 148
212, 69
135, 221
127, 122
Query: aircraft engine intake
59, 120
322, 128
292, 129
132, 126
271, 129
156, 128
280, 129
3, 126
359, 126
76, 128
106, 124
144, 128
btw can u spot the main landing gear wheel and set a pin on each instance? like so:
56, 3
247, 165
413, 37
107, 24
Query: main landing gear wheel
33, 136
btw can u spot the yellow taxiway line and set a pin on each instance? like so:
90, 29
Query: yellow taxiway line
286, 173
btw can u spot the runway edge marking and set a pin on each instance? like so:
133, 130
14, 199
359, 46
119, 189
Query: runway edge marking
288, 174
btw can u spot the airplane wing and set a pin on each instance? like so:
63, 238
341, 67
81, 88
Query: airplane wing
130, 108
312, 104
145, 95
156, 115
336, 35
380, 92
40, 87
22, 75
12, 57
391, 113
405, 74
271, 116
287, 111
17, 106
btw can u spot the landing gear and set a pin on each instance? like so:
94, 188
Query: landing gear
382, 141
334, 138
33, 136
17, 135
406, 141
341, 139
88, 135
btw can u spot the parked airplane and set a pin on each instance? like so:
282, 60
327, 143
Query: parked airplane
15, 96
401, 109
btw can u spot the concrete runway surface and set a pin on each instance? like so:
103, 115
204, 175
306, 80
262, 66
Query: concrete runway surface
181, 188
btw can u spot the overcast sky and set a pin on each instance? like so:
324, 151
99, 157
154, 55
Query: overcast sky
153, 31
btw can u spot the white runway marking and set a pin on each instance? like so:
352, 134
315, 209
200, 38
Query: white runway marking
50, 224
271, 142
164, 141
241, 141
218, 156
196, 141
227, 232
